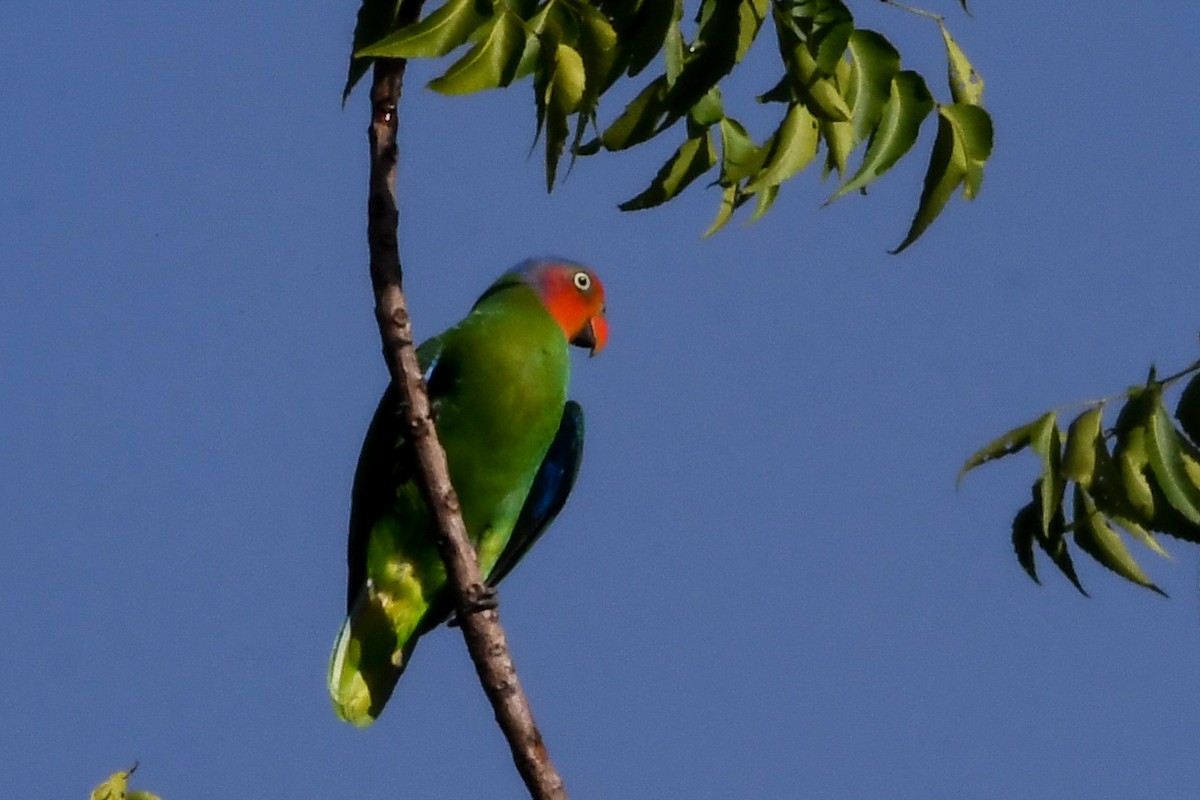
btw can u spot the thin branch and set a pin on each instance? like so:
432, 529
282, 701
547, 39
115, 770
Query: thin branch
1152, 378
485, 638
920, 12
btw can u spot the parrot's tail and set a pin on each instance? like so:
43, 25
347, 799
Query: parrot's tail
368, 658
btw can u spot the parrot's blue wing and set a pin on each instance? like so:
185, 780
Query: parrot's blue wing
549, 491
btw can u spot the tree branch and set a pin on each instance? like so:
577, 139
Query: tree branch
485, 638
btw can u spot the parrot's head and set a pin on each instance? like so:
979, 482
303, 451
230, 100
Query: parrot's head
573, 295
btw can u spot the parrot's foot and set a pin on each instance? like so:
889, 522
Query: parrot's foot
484, 598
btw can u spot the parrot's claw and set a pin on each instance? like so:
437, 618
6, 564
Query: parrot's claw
485, 599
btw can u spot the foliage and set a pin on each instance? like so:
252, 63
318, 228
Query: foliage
117, 788
842, 87
1140, 476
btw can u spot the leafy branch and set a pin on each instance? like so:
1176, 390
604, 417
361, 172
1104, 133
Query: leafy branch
480, 622
1140, 476
841, 89
117, 788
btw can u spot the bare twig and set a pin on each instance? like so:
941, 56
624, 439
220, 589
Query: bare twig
485, 638
920, 12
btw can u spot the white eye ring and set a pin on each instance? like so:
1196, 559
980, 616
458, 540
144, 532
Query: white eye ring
583, 281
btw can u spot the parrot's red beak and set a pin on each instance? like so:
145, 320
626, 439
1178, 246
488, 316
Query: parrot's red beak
593, 335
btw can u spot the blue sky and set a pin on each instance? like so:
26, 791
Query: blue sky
765, 584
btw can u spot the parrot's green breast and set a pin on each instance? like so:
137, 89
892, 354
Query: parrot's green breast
510, 368
498, 384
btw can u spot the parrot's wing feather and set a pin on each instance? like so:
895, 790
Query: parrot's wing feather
385, 462
551, 486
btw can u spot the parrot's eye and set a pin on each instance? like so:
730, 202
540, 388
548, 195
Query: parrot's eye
583, 281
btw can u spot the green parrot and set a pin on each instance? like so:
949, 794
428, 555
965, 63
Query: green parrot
497, 384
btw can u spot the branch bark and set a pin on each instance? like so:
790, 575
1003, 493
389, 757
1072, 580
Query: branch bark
481, 629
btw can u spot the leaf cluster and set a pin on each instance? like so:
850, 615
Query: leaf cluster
117, 788
842, 90
1140, 477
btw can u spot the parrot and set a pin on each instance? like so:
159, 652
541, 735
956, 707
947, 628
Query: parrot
497, 384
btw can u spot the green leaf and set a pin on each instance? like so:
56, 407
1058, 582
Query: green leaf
673, 48
117, 788
556, 21
436, 35
647, 32
693, 158
909, 102
740, 157
1169, 521
527, 65
708, 111
1079, 459
809, 82
874, 63
751, 14
822, 25
542, 55
1133, 477
1101, 542
828, 43
543, 31
1014, 441
599, 47
966, 85
1167, 461
570, 78
838, 136
1046, 441
491, 63
1132, 454
763, 200
818, 92
708, 59
729, 203
1026, 527
963, 144
1050, 537
1166, 518
1188, 409
639, 121
839, 141
375, 20
1109, 495
730, 200
789, 150
974, 126
558, 86
112, 789
1141, 534
1191, 460
524, 9
550, 118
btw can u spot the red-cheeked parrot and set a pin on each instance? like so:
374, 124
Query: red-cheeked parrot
498, 387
